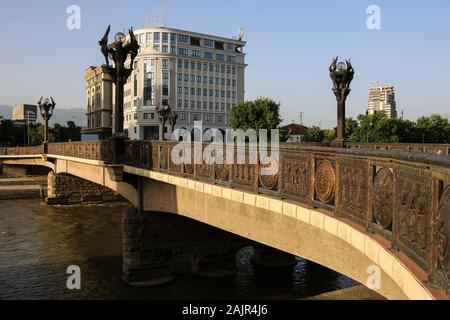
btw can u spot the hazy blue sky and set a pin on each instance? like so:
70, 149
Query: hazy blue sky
290, 45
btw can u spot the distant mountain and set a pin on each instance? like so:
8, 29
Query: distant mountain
61, 116
77, 115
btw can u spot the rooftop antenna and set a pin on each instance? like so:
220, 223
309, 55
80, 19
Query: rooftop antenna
301, 118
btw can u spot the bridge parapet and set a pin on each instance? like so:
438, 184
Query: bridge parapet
401, 198
438, 149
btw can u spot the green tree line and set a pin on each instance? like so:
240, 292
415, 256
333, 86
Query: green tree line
19, 135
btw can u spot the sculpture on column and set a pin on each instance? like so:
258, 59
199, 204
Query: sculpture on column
173, 117
342, 75
163, 115
119, 52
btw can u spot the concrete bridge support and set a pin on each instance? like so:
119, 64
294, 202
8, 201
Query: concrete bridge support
159, 246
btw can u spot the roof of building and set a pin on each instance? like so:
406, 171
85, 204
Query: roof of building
295, 129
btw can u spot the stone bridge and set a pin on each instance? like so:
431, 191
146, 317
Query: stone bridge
352, 210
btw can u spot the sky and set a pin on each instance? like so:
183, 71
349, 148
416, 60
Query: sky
290, 45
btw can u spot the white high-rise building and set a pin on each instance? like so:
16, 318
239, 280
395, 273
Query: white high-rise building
382, 99
200, 76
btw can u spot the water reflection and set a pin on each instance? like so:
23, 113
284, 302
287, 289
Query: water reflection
38, 243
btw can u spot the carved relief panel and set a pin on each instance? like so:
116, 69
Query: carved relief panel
296, 181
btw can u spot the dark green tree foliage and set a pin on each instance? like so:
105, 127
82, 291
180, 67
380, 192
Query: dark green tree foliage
262, 113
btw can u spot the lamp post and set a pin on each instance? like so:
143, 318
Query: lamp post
119, 52
163, 115
342, 75
46, 108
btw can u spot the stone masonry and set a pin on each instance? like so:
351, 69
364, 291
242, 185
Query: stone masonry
66, 189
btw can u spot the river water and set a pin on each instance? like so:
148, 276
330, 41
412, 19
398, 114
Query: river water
38, 243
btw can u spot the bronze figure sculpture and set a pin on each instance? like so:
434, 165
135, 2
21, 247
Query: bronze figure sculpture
342, 75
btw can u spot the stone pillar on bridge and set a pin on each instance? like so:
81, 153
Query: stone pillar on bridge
159, 246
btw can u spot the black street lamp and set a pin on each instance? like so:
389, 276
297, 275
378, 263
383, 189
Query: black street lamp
119, 51
46, 108
342, 75
163, 116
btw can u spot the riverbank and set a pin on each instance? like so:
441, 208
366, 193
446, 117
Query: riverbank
23, 188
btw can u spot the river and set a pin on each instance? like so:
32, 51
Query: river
38, 243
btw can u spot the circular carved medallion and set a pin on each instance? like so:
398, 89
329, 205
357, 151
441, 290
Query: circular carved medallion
325, 182
268, 175
383, 198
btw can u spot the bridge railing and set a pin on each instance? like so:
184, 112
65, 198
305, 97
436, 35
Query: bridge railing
22, 151
402, 197
438, 149
93, 150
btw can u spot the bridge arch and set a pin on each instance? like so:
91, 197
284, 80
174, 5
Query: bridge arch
310, 234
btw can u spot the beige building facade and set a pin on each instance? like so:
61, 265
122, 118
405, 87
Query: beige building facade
99, 92
200, 76
382, 99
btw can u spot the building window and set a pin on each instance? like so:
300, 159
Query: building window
192, 104
219, 118
222, 106
173, 37
234, 70
173, 50
208, 55
196, 117
183, 116
230, 47
192, 77
186, 104
180, 77
180, 63
228, 94
186, 64
165, 64
196, 53
234, 83
135, 83
199, 79
183, 52
205, 79
208, 117
199, 105
149, 37
193, 91
165, 37
165, 84
211, 80
156, 37
234, 94
220, 57
231, 59
208, 43
183, 38
135, 130
205, 105
211, 106
199, 91
222, 69
193, 65
180, 90
180, 103
222, 81
165, 49
211, 68
156, 47
186, 90
217, 105
205, 92
217, 68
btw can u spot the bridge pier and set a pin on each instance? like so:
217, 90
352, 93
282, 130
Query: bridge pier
159, 246
65, 189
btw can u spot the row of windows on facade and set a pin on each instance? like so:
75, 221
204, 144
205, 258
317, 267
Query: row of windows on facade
164, 37
199, 79
211, 67
206, 92
205, 105
183, 117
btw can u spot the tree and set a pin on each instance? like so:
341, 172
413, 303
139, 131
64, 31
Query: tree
262, 113
315, 134
433, 129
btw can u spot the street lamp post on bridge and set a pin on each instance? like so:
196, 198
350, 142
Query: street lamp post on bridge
119, 52
342, 75
46, 108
